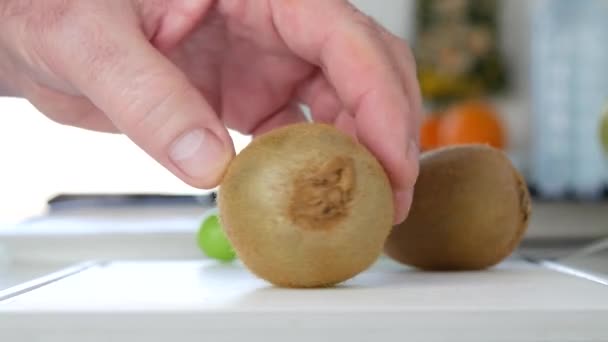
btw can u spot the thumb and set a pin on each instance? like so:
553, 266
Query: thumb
150, 100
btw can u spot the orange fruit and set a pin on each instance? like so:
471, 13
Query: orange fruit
428, 132
473, 122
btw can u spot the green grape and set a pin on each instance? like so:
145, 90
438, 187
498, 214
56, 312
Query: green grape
212, 240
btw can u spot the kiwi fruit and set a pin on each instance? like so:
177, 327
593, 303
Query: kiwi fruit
306, 205
469, 212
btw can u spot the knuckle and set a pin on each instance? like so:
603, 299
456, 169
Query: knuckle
365, 20
14, 8
407, 56
62, 34
44, 18
96, 51
150, 113
406, 51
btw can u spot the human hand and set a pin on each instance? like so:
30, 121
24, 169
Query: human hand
173, 74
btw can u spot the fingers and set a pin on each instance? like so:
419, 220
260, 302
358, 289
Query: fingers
359, 65
346, 123
289, 115
325, 105
93, 120
406, 67
151, 101
321, 98
69, 110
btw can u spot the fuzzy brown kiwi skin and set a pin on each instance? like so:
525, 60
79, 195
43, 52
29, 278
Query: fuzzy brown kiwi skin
470, 210
303, 245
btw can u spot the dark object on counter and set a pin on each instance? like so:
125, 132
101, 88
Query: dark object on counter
569, 196
65, 202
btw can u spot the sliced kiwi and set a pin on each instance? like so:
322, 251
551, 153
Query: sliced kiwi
470, 210
306, 206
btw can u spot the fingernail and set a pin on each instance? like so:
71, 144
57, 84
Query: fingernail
197, 153
403, 197
403, 201
412, 159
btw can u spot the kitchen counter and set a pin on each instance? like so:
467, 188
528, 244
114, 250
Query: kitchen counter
159, 300
136, 274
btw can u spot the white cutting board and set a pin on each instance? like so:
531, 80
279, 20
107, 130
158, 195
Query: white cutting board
206, 301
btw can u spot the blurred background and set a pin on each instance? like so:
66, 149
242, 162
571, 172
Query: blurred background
529, 77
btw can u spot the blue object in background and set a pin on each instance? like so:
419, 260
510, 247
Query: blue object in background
569, 88
591, 91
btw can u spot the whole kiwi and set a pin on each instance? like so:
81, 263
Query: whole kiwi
469, 212
306, 206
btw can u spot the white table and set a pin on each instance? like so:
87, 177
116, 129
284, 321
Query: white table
183, 297
204, 300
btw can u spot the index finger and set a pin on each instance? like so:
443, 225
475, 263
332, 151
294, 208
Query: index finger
355, 60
